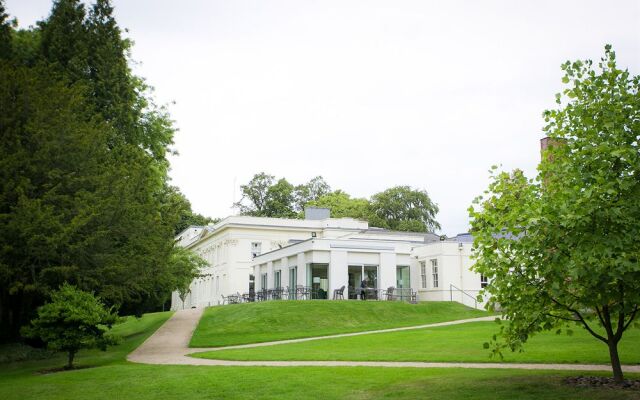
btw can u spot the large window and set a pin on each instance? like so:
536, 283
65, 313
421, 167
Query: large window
277, 279
256, 249
263, 282
423, 274
363, 281
318, 276
293, 277
434, 272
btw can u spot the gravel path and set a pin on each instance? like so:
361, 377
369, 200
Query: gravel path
170, 345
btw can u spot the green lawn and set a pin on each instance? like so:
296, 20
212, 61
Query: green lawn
113, 378
456, 343
133, 331
141, 382
279, 320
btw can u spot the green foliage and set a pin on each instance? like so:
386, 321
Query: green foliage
342, 205
310, 191
185, 267
186, 217
564, 248
261, 197
84, 195
405, 209
399, 208
73, 320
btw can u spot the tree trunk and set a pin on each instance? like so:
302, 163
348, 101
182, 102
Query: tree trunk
72, 354
615, 361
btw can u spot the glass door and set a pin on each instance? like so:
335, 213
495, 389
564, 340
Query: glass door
363, 281
403, 282
354, 280
319, 280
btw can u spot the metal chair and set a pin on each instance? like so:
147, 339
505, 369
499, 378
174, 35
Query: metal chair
338, 293
388, 295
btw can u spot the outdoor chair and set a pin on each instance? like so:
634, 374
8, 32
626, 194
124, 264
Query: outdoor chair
302, 292
414, 297
276, 294
338, 293
388, 294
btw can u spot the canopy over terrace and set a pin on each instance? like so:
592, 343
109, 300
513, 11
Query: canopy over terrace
324, 265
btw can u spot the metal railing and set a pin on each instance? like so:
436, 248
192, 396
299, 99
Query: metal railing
452, 286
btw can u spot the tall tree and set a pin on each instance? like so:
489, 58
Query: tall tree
342, 205
187, 217
405, 209
113, 88
5, 34
64, 38
563, 249
280, 200
310, 191
84, 195
255, 195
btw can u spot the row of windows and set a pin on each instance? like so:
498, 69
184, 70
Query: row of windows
434, 273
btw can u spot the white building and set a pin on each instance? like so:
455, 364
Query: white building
249, 254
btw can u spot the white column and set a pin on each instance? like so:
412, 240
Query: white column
302, 270
387, 270
338, 275
284, 272
270, 280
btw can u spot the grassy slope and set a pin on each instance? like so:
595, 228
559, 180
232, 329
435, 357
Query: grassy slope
458, 343
278, 320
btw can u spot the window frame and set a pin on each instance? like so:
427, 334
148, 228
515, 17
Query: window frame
435, 279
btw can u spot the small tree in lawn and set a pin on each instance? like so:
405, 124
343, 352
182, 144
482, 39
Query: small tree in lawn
186, 266
73, 320
564, 249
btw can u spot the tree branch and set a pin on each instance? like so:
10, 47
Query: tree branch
633, 316
581, 320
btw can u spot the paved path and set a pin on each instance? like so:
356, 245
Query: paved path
170, 345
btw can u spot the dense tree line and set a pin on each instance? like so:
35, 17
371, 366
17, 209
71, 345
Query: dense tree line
84, 193
399, 208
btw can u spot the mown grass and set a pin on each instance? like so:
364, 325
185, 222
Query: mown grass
141, 382
456, 343
279, 320
112, 377
133, 332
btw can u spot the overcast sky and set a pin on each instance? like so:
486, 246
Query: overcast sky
368, 94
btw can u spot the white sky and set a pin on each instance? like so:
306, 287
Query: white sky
368, 94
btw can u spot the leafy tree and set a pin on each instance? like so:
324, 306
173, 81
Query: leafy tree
279, 201
64, 38
5, 33
406, 209
84, 197
563, 249
72, 321
310, 191
187, 217
343, 206
256, 194
186, 267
